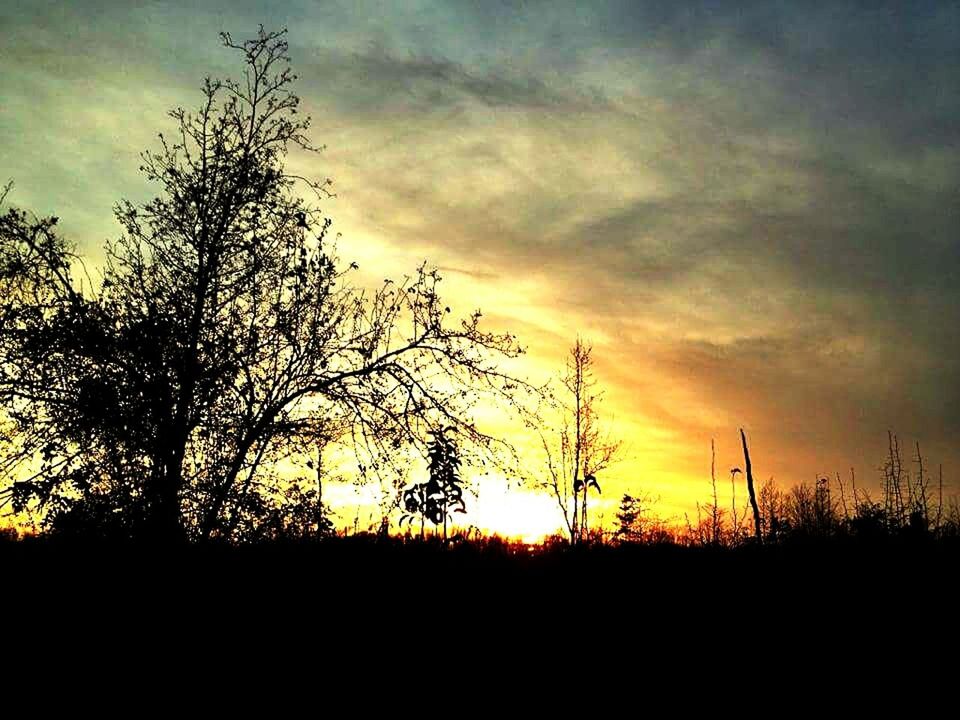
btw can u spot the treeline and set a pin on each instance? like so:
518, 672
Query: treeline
911, 504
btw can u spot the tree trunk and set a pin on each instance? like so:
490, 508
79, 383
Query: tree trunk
444, 516
584, 526
715, 515
164, 522
320, 513
753, 496
575, 529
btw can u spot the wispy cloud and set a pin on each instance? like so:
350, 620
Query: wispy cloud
751, 210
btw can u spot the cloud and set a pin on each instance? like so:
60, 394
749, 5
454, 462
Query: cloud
750, 209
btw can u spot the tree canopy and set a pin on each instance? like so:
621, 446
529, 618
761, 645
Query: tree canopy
222, 336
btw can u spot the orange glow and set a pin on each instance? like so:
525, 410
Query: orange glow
786, 279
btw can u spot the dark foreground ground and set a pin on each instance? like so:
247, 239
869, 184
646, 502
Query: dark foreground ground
353, 604
489, 575
490, 627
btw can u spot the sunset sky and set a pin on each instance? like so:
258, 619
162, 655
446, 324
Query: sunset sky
750, 209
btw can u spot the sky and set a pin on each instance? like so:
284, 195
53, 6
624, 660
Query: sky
749, 209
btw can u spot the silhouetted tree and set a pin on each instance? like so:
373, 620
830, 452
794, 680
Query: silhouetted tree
222, 336
442, 494
734, 516
579, 449
771, 501
716, 514
632, 518
895, 485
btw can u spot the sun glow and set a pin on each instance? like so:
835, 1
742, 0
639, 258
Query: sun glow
515, 513
494, 507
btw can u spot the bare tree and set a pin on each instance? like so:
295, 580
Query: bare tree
772, 509
578, 450
734, 517
715, 513
894, 504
